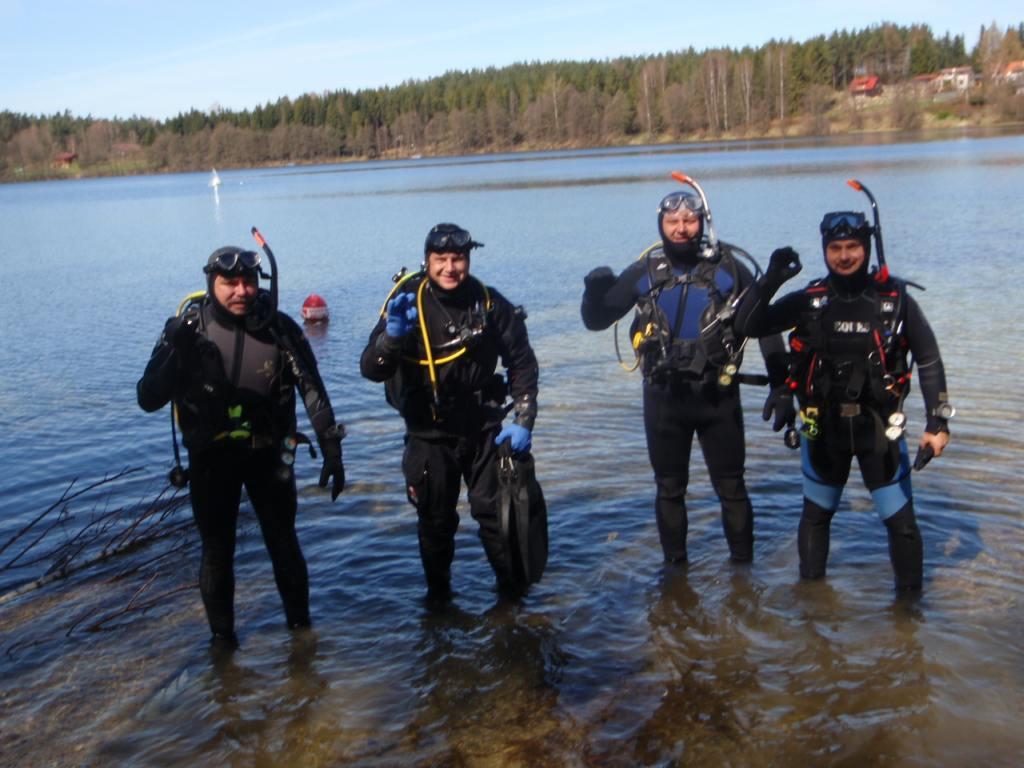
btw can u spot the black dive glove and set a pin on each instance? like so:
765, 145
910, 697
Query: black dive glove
779, 402
181, 334
333, 468
597, 283
783, 264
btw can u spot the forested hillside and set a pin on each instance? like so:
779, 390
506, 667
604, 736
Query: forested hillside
780, 88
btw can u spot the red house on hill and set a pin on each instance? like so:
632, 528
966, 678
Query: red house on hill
64, 159
1013, 72
869, 85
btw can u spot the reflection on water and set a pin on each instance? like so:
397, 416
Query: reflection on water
233, 712
486, 688
675, 150
569, 182
611, 659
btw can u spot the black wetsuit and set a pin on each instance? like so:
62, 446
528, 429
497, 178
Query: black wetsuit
234, 390
454, 439
850, 334
682, 395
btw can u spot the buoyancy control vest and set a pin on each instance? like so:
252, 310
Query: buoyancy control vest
849, 356
450, 365
683, 323
241, 390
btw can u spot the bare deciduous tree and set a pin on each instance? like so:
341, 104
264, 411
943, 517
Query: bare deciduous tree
435, 133
583, 117
96, 143
32, 146
905, 112
617, 119
745, 68
408, 131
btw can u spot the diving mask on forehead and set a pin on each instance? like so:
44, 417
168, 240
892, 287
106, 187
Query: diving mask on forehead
844, 225
681, 202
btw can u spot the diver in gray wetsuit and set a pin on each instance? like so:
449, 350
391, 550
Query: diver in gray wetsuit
231, 364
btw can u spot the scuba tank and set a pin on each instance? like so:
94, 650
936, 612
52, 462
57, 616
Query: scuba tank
178, 476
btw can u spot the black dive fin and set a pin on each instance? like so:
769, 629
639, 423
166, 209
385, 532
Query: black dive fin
523, 517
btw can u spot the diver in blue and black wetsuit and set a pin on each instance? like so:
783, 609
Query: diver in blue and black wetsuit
685, 289
853, 332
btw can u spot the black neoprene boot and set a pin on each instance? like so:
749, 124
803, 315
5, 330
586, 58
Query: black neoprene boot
670, 511
906, 550
813, 539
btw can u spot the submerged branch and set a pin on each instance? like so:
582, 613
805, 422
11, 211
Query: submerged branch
130, 607
10, 563
65, 497
113, 586
107, 535
185, 544
39, 517
153, 507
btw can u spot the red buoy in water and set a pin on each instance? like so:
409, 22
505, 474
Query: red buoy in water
314, 309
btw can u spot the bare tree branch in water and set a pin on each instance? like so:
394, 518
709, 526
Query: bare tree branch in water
127, 559
107, 535
114, 547
64, 498
184, 528
130, 607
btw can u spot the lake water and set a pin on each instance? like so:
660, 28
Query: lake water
610, 660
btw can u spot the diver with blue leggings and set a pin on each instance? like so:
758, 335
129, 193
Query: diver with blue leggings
857, 335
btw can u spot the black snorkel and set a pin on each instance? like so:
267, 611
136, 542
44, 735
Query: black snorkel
264, 322
883, 270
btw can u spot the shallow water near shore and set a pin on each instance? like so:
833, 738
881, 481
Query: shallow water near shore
612, 659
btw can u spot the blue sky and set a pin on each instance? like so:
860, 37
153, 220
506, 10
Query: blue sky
117, 57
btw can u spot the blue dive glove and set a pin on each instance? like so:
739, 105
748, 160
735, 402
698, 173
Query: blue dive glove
401, 315
519, 438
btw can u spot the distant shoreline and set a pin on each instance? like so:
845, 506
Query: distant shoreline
869, 84
667, 145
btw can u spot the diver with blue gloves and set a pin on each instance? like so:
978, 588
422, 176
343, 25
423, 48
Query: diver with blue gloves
436, 348
857, 335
